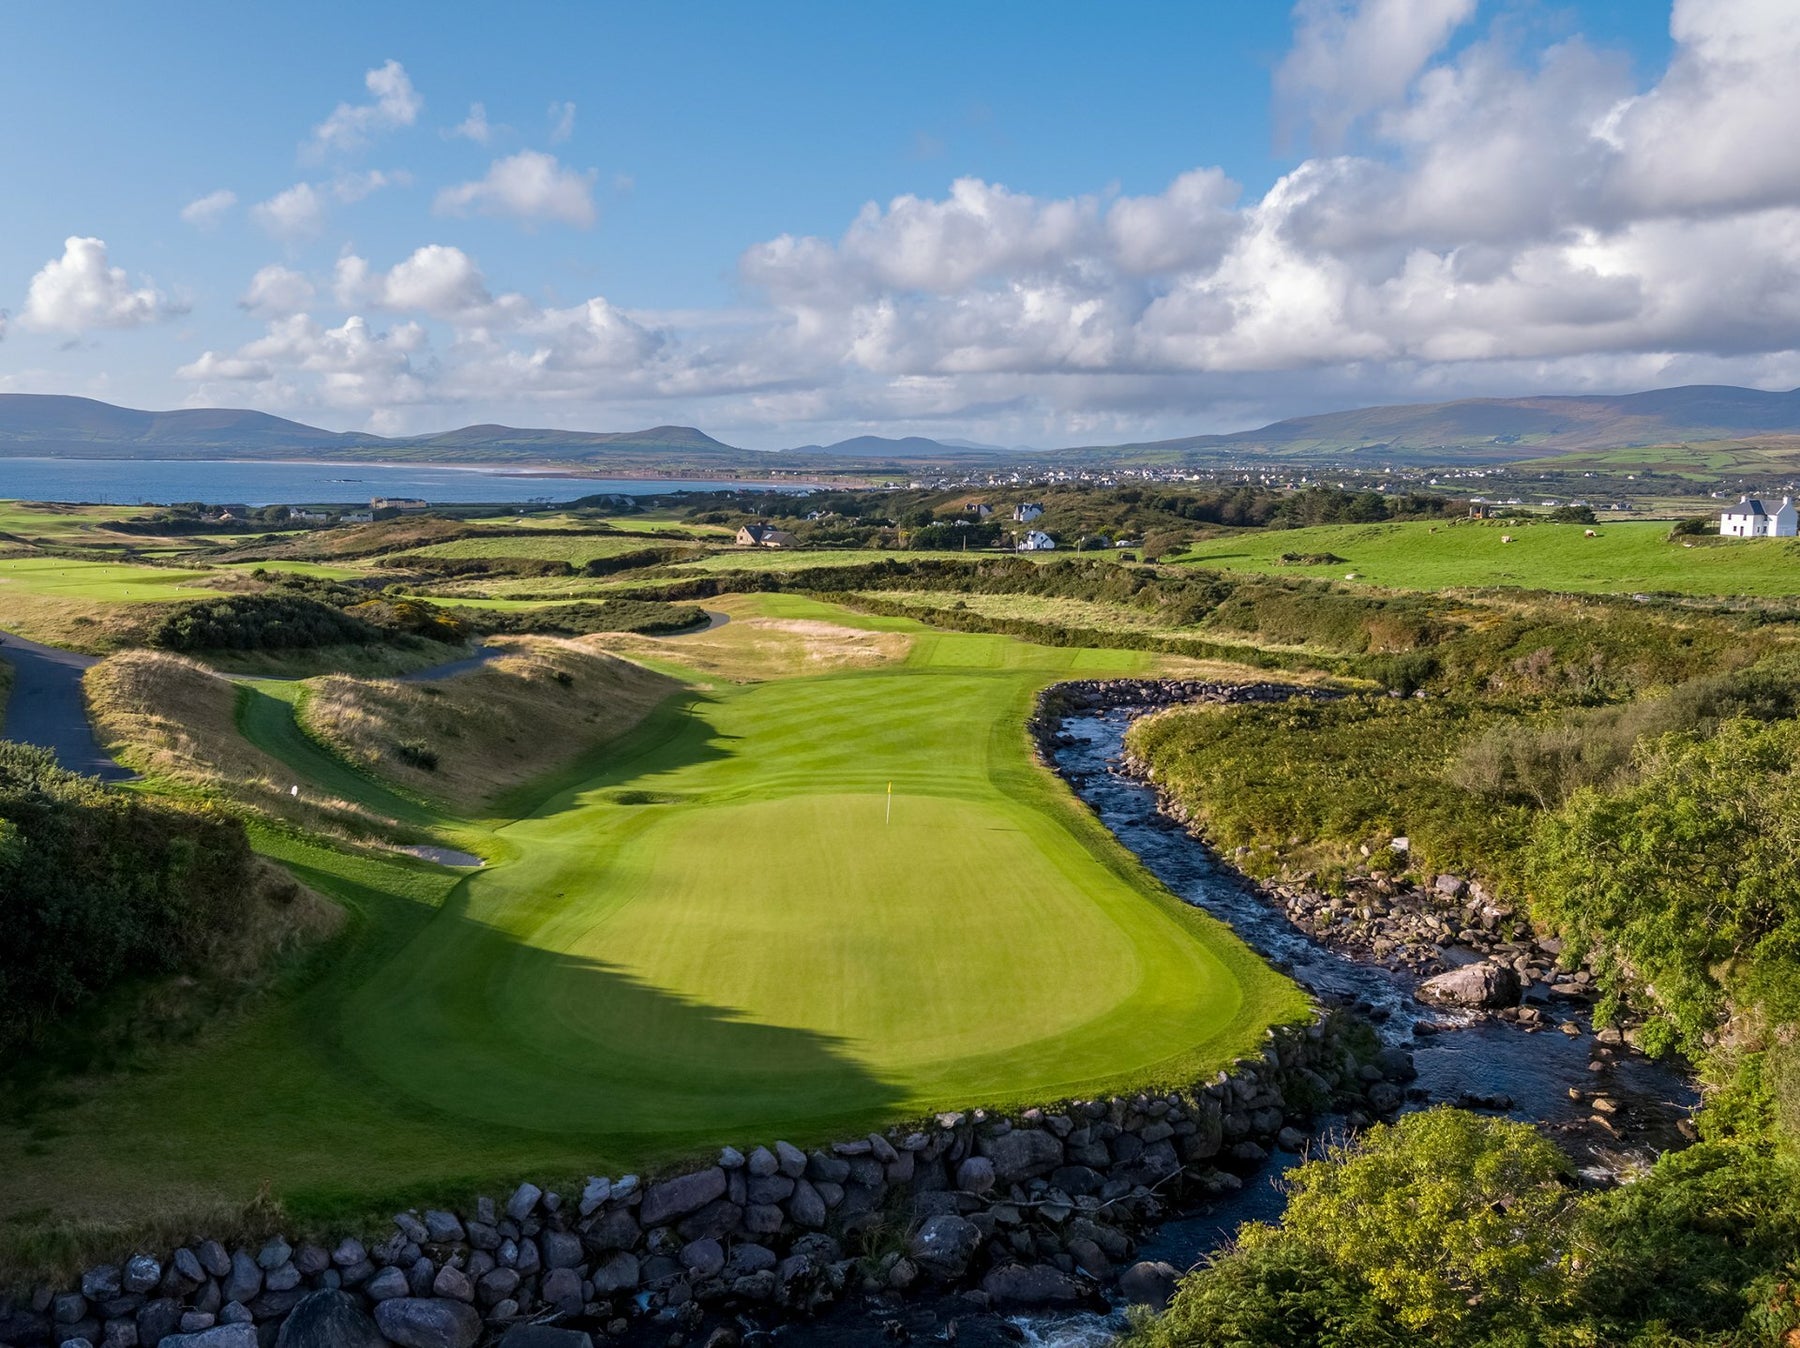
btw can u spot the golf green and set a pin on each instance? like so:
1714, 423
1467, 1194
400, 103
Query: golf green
721, 929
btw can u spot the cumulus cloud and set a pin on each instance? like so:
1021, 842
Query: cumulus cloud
353, 187
81, 291
529, 186
294, 214
277, 291
395, 103
1510, 208
205, 212
475, 126
1351, 57
1502, 220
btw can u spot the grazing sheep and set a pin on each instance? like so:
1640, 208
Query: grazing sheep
1589, 533
1506, 538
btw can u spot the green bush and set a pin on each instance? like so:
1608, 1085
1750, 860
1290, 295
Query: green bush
100, 886
259, 622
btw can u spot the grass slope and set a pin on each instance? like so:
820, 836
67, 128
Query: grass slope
704, 932
1623, 558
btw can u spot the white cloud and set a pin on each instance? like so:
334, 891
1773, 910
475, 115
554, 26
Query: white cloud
351, 125
81, 291
350, 188
1352, 57
205, 212
293, 214
562, 121
1505, 220
475, 126
528, 186
276, 291
211, 367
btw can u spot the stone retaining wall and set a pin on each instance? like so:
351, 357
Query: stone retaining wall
1042, 1207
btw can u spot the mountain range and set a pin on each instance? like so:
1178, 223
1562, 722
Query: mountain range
1471, 430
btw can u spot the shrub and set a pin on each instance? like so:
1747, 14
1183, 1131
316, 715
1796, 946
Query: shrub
1441, 1229
259, 622
417, 755
99, 886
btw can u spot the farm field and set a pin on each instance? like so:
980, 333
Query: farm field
707, 931
574, 549
1624, 558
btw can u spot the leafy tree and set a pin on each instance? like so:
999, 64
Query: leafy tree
1688, 882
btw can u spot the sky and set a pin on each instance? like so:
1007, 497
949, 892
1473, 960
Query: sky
791, 223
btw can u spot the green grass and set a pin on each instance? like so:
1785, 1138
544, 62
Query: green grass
576, 550
707, 932
1624, 558
95, 582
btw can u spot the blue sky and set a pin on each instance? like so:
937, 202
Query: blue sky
786, 223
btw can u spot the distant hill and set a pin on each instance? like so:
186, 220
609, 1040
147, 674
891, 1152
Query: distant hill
1473, 430
1493, 430
50, 426
910, 448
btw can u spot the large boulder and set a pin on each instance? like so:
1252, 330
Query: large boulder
328, 1320
1034, 1285
943, 1246
1476, 985
675, 1198
1149, 1284
428, 1322
1023, 1153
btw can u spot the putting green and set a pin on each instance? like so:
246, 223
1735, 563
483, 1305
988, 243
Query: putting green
713, 931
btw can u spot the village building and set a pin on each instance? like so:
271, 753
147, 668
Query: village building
1027, 511
1750, 519
1036, 540
979, 509
764, 535
404, 504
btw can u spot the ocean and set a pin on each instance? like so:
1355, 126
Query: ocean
161, 481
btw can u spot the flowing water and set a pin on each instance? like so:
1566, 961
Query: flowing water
1537, 1069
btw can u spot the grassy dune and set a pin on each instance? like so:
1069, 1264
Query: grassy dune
1623, 558
488, 730
706, 931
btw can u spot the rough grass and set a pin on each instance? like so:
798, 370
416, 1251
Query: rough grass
1627, 557
529, 712
177, 722
706, 931
757, 644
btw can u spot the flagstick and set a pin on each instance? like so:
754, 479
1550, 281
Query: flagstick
890, 805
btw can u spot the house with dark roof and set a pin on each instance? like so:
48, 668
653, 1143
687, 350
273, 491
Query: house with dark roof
1749, 518
763, 535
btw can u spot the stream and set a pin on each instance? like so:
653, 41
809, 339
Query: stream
1470, 1054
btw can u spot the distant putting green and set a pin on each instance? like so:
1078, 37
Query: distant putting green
1626, 557
710, 932
98, 582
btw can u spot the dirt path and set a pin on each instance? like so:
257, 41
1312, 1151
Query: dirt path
46, 707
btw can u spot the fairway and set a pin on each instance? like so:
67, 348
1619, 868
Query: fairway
1626, 557
712, 931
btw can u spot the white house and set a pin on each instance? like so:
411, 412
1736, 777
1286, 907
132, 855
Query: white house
1749, 519
1026, 512
1036, 540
